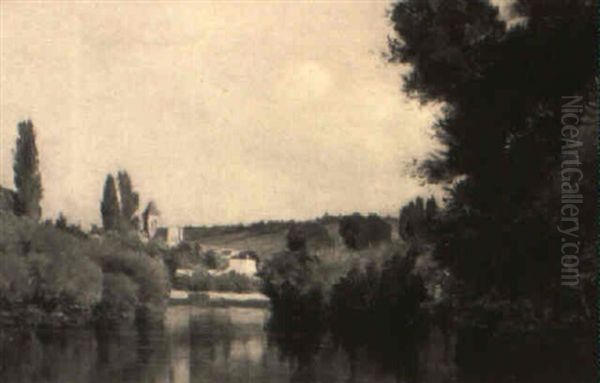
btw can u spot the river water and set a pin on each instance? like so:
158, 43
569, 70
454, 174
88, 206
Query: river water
200, 344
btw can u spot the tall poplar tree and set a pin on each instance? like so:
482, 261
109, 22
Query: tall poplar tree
129, 198
27, 178
109, 206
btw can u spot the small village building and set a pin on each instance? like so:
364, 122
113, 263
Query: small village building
245, 263
174, 235
151, 217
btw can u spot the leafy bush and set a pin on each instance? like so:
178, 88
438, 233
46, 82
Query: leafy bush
359, 232
57, 272
371, 284
65, 278
119, 297
14, 278
214, 261
148, 273
202, 280
308, 235
418, 219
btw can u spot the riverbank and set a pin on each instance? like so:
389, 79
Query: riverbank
52, 277
219, 299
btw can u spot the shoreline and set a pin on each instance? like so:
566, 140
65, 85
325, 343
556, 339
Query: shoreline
219, 299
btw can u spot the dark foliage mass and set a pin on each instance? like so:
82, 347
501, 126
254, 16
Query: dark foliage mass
130, 200
359, 232
51, 276
109, 207
27, 178
418, 219
366, 302
307, 235
503, 90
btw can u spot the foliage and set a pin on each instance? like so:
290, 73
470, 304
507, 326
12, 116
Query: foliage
109, 207
307, 235
359, 232
7, 199
214, 261
299, 282
119, 297
148, 273
231, 281
65, 278
14, 278
58, 272
27, 178
418, 219
502, 88
129, 199
61, 221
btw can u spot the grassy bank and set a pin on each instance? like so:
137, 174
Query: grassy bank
202, 280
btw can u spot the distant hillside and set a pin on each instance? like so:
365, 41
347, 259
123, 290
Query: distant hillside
264, 238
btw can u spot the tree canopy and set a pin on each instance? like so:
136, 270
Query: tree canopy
502, 89
27, 177
129, 199
109, 207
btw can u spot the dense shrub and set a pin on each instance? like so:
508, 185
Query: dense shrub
359, 232
214, 261
57, 272
202, 280
119, 297
418, 219
150, 274
289, 277
308, 235
14, 278
65, 278
301, 281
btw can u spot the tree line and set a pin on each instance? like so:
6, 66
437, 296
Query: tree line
119, 204
119, 213
502, 86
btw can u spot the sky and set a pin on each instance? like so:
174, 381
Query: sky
222, 112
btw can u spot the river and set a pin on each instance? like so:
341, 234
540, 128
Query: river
203, 344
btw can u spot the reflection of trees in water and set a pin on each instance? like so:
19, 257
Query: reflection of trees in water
305, 342
376, 312
47, 356
226, 344
210, 338
395, 349
215, 347
131, 354
117, 354
297, 339
554, 356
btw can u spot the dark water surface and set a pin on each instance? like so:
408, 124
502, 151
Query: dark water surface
240, 345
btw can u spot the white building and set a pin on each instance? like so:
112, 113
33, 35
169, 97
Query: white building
174, 235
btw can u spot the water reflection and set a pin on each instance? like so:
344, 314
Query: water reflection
249, 345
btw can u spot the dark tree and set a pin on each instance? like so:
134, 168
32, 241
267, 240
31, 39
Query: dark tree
418, 219
359, 232
431, 209
109, 206
28, 180
129, 199
308, 236
61, 221
503, 89
296, 238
